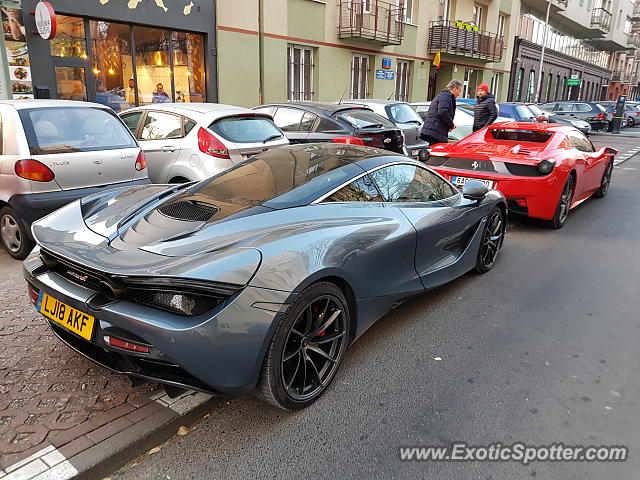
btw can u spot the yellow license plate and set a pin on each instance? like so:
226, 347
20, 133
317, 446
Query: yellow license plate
70, 318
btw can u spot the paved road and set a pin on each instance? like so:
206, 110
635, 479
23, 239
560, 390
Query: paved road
542, 349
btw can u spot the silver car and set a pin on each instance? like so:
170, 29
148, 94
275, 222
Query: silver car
54, 152
188, 142
403, 116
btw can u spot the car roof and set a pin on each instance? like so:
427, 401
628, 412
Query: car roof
185, 108
318, 107
42, 103
373, 101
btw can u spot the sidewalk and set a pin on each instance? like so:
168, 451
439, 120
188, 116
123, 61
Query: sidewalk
60, 414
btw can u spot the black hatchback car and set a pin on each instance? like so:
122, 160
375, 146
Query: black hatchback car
307, 122
591, 112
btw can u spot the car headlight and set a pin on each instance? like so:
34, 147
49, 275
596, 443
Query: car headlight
546, 166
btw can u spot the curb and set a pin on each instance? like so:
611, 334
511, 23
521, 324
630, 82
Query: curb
104, 458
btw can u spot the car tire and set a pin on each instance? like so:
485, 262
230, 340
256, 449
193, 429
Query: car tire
492, 240
293, 373
605, 182
564, 204
14, 235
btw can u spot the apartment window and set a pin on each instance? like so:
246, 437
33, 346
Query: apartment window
360, 76
408, 9
495, 83
443, 10
627, 25
300, 73
477, 14
519, 84
501, 23
402, 81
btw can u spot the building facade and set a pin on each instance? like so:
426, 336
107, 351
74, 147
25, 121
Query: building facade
118, 53
278, 50
580, 38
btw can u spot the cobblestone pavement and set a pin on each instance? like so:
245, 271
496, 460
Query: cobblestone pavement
49, 394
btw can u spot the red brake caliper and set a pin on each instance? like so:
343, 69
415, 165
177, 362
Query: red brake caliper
315, 310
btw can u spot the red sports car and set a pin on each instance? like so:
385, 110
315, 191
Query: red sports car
543, 170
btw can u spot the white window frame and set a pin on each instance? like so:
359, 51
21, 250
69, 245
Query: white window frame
502, 20
478, 13
403, 72
495, 83
362, 81
408, 10
301, 91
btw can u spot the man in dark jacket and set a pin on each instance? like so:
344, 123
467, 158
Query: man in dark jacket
439, 120
485, 111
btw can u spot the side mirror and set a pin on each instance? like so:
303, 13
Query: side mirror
474, 190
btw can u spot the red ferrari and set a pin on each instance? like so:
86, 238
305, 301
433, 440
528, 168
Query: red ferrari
543, 170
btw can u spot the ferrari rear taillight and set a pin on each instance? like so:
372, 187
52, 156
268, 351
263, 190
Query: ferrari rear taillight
141, 161
33, 170
350, 140
210, 144
600, 116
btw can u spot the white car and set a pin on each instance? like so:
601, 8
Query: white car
194, 141
463, 119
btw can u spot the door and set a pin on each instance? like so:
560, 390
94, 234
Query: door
594, 164
444, 222
160, 136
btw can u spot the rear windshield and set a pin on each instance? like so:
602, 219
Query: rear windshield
402, 113
361, 118
600, 107
249, 129
74, 129
520, 135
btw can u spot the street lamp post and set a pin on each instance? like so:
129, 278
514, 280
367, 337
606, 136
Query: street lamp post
544, 43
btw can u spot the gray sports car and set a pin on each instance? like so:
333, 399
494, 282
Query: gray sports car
260, 276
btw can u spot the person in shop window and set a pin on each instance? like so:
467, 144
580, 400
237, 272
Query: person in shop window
160, 96
131, 92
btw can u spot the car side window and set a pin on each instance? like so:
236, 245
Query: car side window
327, 125
361, 190
131, 120
288, 119
411, 183
581, 142
523, 112
308, 119
188, 125
160, 125
582, 107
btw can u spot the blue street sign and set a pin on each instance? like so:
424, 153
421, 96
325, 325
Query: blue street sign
390, 74
380, 74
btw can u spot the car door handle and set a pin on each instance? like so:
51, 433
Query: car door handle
168, 149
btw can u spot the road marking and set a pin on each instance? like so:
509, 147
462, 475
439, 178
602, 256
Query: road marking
185, 402
46, 464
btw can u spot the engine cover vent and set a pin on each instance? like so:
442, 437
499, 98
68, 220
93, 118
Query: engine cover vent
189, 211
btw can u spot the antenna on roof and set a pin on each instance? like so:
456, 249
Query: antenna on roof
392, 94
343, 93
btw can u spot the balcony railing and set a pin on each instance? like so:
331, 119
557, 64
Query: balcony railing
601, 18
371, 20
458, 39
619, 76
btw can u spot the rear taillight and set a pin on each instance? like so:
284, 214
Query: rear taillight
125, 345
33, 293
601, 116
208, 143
141, 161
349, 140
34, 170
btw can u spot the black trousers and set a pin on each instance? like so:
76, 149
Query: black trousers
431, 140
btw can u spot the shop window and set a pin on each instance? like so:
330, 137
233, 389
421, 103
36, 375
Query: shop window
153, 69
70, 83
188, 67
70, 40
519, 84
113, 64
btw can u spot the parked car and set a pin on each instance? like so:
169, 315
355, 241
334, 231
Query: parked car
259, 277
403, 116
542, 169
631, 113
308, 122
54, 152
590, 112
193, 141
529, 112
463, 118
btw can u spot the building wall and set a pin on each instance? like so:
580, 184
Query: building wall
315, 24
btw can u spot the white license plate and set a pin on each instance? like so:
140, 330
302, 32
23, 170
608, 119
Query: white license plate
415, 152
460, 181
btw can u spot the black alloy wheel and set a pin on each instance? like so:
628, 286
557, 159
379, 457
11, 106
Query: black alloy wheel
606, 181
492, 239
564, 204
307, 348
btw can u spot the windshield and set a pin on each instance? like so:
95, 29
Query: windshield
361, 118
246, 129
402, 113
74, 129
